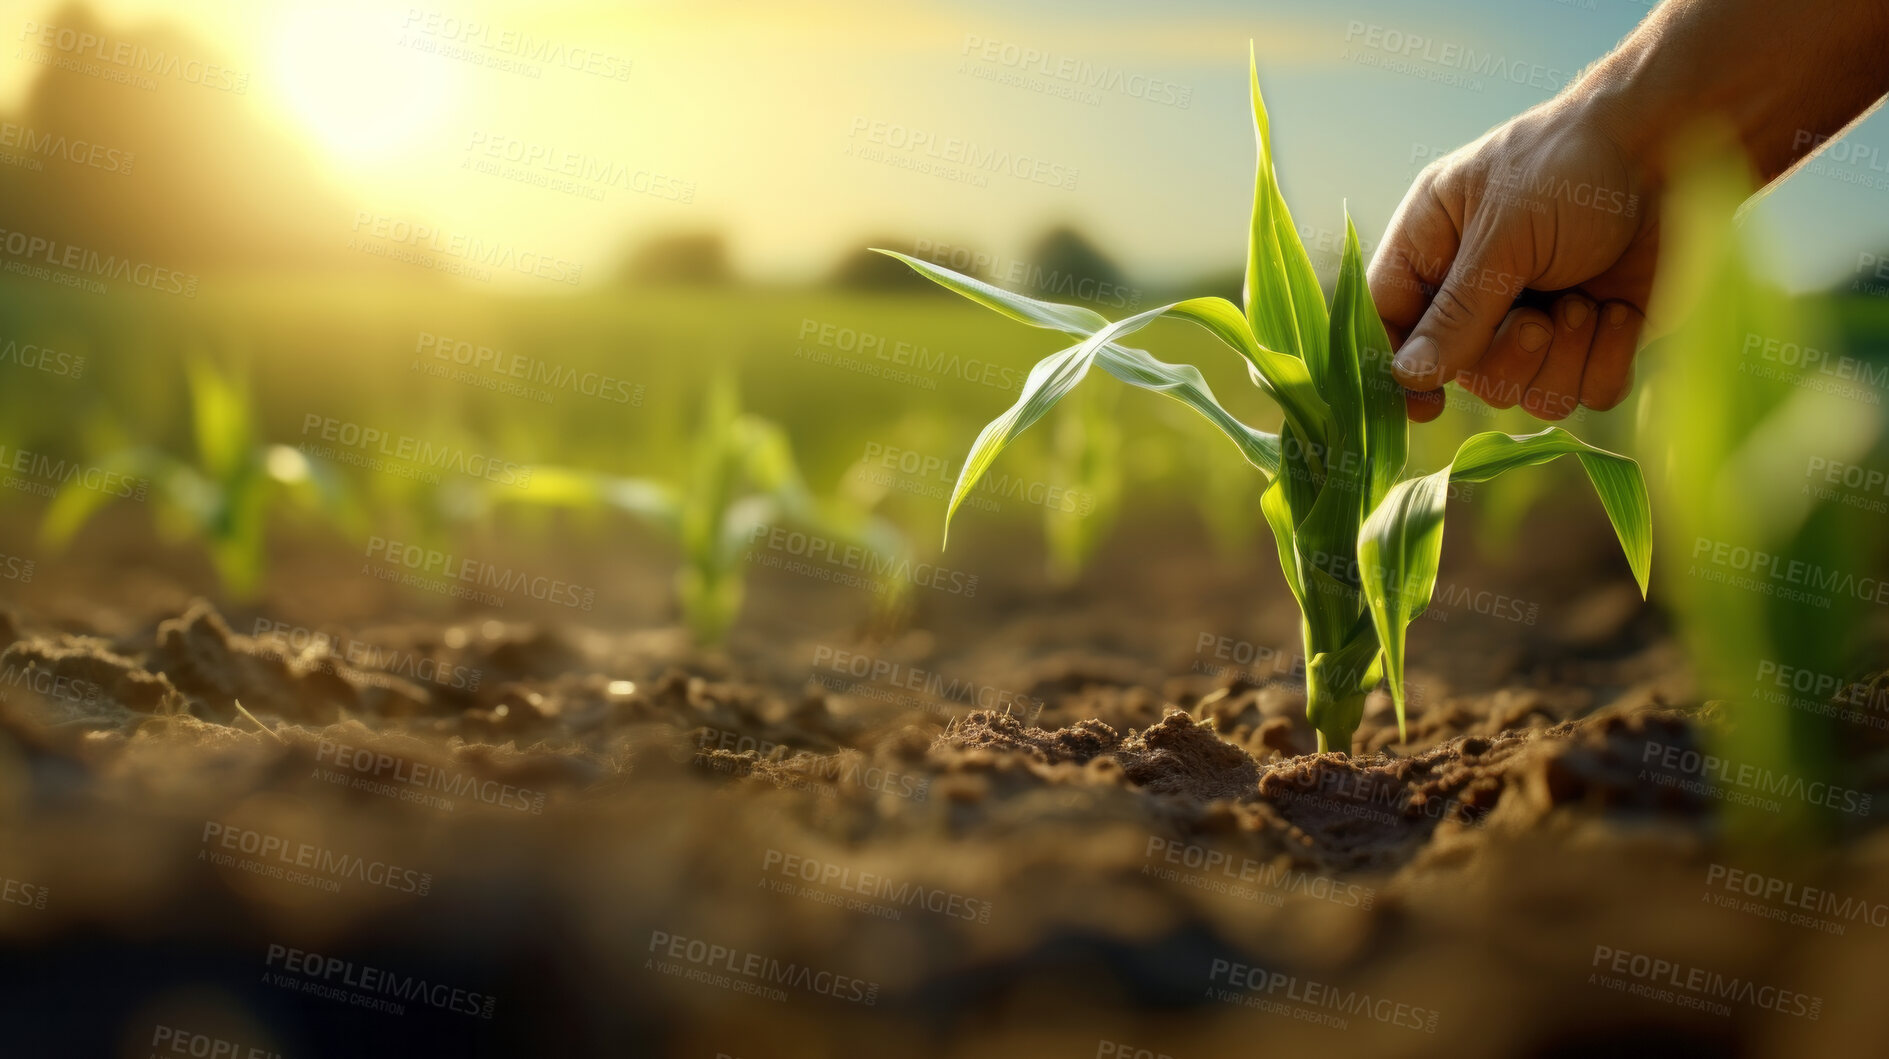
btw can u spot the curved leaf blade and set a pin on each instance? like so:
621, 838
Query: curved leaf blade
1615, 478
1185, 383
1055, 375
1055, 316
1401, 543
1052, 378
1284, 303
1284, 378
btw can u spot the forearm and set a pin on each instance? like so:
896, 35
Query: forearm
1787, 76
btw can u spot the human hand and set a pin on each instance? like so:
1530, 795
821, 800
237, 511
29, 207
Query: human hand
1519, 266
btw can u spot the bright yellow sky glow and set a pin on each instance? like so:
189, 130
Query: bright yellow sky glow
755, 111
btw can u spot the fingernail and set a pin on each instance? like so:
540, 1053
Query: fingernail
1575, 314
1616, 315
1418, 357
1534, 336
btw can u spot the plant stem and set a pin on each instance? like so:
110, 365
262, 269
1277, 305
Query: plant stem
1334, 700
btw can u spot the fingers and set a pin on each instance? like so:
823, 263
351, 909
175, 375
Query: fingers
1555, 391
1423, 405
1610, 361
1461, 320
1520, 346
1411, 260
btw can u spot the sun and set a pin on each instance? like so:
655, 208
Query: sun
346, 76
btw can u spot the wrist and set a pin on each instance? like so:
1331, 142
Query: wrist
1622, 100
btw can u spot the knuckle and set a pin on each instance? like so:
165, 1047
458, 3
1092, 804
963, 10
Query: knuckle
1452, 307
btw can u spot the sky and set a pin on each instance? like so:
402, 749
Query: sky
803, 130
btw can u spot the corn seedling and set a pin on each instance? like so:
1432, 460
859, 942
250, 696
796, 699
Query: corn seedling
1086, 458
1769, 584
223, 498
1359, 538
741, 482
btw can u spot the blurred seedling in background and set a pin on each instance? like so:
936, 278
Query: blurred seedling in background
223, 498
1775, 579
1085, 462
740, 482
1358, 538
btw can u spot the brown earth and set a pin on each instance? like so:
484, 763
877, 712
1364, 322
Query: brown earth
1028, 823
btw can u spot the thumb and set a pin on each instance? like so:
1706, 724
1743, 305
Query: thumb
1461, 321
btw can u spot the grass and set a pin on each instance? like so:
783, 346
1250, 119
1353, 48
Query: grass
1359, 536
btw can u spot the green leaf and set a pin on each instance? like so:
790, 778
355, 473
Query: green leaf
1069, 319
75, 504
1051, 378
1401, 542
1184, 383
1284, 303
1616, 479
1277, 508
1399, 547
1283, 378
1386, 422
1055, 375
219, 418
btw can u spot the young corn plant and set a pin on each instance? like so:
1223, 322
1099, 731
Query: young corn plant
1359, 536
223, 498
1086, 456
742, 480
1736, 444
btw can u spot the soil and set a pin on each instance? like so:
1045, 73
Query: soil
1026, 822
